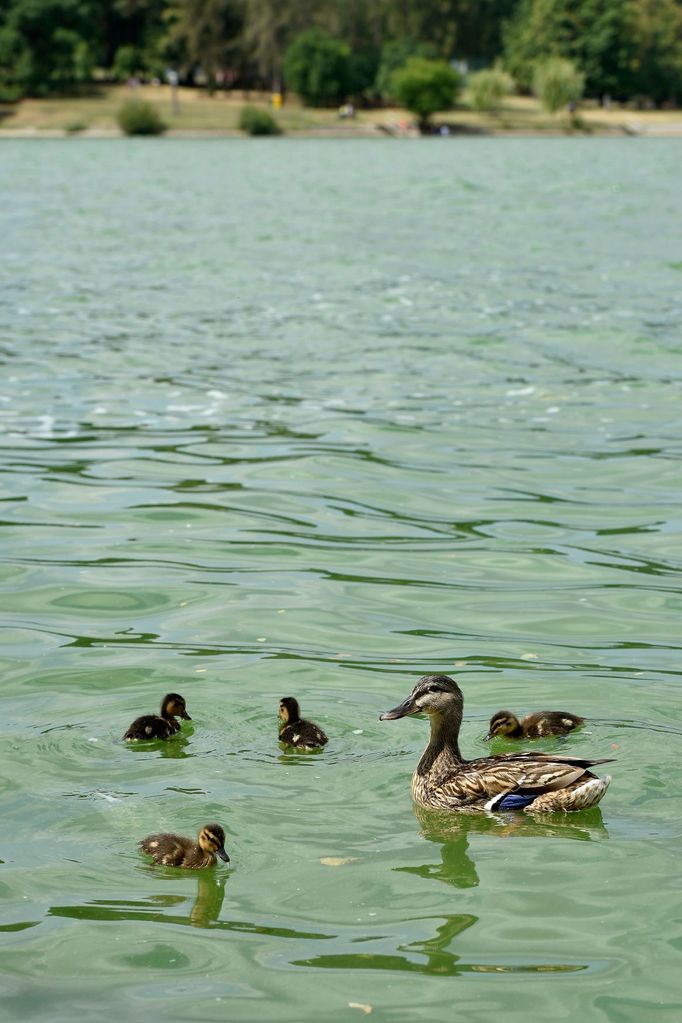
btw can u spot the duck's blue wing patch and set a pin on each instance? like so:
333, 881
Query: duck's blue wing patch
514, 802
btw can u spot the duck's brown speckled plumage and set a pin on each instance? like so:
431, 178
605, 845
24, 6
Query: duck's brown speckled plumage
178, 851
444, 780
533, 726
159, 726
294, 731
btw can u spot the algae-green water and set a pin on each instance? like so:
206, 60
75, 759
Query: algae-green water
314, 419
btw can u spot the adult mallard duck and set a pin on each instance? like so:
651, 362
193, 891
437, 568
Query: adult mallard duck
533, 726
530, 781
159, 726
177, 851
294, 731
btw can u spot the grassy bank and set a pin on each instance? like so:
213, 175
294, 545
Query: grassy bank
219, 115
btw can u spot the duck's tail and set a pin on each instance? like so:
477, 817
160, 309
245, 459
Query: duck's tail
579, 796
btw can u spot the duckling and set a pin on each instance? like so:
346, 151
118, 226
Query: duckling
294, 731
533, 726
177, 851
444, 780
159, 726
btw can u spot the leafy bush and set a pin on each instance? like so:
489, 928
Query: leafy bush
137, 117
317, 67
488, 88
256, 121
558, 83
394, 54
126, 63
425, 86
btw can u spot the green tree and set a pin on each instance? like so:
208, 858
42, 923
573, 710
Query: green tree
488, 88
317, 67
656, 49
127, 62
15, 65
44, 45
425, 86
207, 30
557, 83
394, 54
592, 33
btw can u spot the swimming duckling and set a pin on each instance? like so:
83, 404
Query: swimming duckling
159, 726
177, 851
533, 726
296, 732
444, 780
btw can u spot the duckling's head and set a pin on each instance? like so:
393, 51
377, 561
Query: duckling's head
503, 722
173, 705
289, 711
212, 840
436, 695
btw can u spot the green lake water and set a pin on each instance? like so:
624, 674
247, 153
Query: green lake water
313, 419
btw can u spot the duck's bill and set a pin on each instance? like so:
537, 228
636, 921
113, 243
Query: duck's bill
486, 738
408, 706
223, 855
185, 716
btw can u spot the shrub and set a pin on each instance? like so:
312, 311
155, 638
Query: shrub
558, 83
425, 86
317, 67
394, 54
126, 63
488, 88
136, 117
256, 121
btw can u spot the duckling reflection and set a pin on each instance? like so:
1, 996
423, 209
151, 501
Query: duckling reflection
175, 750
209, 900
206, 907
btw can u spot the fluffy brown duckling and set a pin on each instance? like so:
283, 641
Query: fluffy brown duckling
177, 851
294, 731
159, 726
533, 726
444, 780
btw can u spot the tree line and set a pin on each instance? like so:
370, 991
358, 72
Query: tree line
337, 50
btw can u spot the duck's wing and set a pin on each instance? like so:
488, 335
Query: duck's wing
550, 722
149, 726
313, 734
303, 734
524, 774
170, 850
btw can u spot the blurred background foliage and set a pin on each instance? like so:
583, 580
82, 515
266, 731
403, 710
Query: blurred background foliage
332, 51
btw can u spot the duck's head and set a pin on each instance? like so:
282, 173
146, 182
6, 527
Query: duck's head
436, 695
212, 840
289, 711
503, 722
173, 705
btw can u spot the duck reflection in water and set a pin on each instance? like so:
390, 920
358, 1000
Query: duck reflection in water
432, 955
451, 831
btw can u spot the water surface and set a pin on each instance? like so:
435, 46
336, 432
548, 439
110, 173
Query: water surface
315, 418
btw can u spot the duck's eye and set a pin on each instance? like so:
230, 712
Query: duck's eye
434, 689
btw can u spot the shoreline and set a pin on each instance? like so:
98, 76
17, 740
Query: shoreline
198, 115
673, 130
